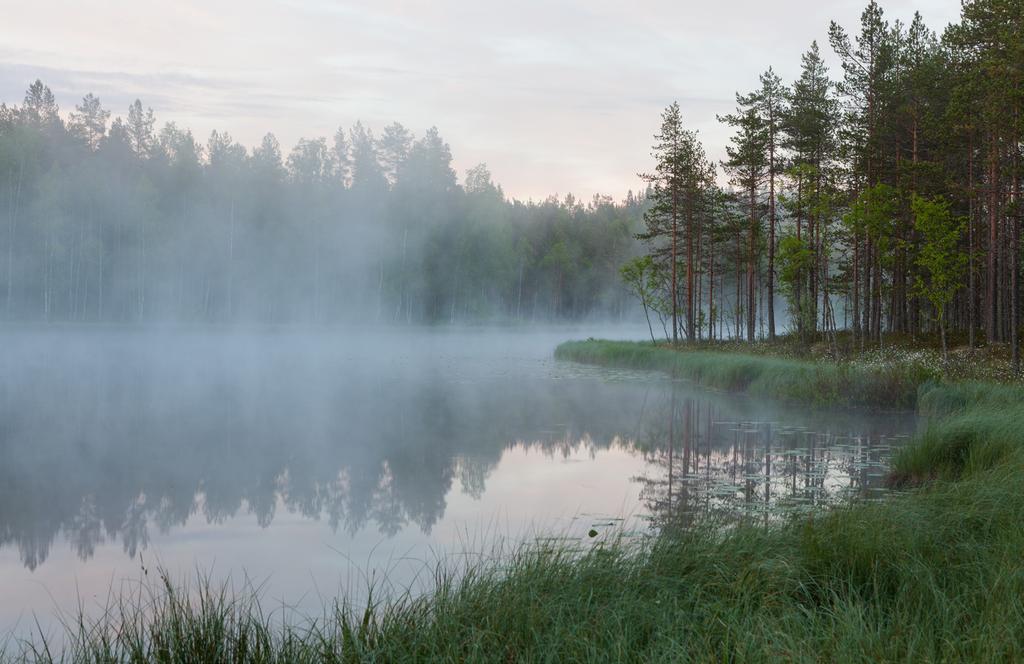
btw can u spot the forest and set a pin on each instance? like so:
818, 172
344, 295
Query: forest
879, 199
123, 221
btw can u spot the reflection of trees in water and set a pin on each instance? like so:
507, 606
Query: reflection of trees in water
708, 458
109, 449
112, 453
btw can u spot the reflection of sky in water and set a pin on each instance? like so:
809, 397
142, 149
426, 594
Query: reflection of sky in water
306, 460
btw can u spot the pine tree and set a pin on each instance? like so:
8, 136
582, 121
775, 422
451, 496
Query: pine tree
393, 147
267, 155
342, 158
809, 124
89, 121
771, 107
139, 130
678, 185
367, 175
748, 167
867, 65
988, 47
39, 109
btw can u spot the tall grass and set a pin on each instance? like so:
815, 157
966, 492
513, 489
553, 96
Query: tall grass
974, 428
928, 576
940, 399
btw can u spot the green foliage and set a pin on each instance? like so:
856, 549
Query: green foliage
795, 258
795, 261
943, 266
874, 214
646, 281
944, 399
747, 151
811, 119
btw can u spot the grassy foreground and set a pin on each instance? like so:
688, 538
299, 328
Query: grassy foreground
933, 574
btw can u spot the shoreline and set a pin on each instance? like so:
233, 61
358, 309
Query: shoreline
818, 383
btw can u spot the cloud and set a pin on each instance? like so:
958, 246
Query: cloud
555, 95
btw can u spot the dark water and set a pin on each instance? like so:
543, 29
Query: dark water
313, 462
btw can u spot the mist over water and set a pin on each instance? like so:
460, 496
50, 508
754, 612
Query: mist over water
308, 458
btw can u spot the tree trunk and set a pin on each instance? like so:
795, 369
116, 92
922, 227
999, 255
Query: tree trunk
990, 285
972, 296
855, 277
231, 262
675, 290
711, 286
751, 295
798, 295
689, 269
942, 333
1015, 265
771, 233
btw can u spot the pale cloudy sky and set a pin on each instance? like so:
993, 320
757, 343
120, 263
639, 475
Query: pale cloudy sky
556, 96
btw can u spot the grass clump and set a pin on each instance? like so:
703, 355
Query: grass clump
941, 399
967, 442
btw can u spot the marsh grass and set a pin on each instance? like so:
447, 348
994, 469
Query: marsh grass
931, 575
822, 383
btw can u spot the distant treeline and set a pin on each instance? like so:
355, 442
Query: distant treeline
122, 221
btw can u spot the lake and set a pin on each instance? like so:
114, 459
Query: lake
316, 462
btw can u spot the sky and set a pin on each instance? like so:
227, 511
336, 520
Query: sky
555, 96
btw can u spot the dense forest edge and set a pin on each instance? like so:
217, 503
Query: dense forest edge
882, 203
881, 199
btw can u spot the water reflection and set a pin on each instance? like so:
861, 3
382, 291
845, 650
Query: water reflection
715, 458
111, 437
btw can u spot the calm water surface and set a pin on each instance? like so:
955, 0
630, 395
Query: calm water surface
311, 461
